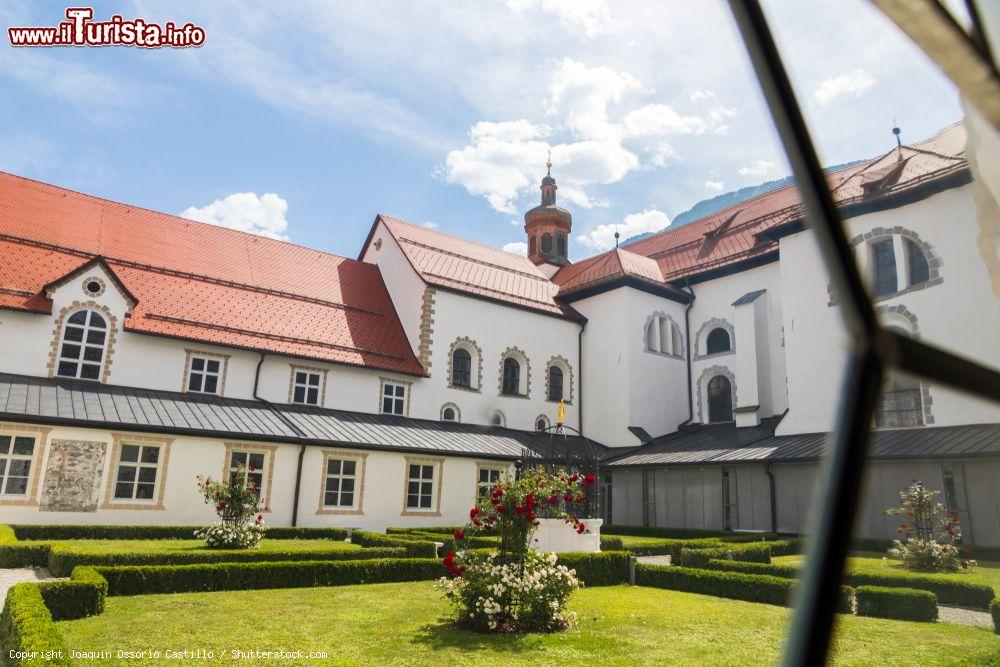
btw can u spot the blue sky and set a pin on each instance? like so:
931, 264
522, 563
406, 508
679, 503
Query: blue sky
303, 120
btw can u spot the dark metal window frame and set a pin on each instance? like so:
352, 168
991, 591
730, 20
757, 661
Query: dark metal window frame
874, 348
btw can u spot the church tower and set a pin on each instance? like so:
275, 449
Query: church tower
548, 227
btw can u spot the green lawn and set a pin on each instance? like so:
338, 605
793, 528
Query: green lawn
869, 561
108, 546
408, 624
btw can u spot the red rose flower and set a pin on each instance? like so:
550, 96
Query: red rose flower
473, 512
581, 529
260, 517
459, 535
590, 480
954, 517
568, 497
501, 508
552, 500
251, 468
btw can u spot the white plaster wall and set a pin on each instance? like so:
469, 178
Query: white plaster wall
961, 314
191, 456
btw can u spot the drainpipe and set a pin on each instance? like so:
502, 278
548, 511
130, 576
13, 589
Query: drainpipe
687, 337
299, 435
579, 377
774, 500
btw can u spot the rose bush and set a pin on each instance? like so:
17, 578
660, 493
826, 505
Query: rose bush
236, 503
514, 589
933, 535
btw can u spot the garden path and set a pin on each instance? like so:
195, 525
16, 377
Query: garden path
9, 577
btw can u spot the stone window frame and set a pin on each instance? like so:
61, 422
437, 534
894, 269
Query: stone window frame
901, 312
381, 390
503, 419
426, 337
255, 448
437, 480
487, 465
702, 385
361, 460
563, 364
190, 353
525, 377
162, 466
323, 373
458, 413
658, 315
701, 338
472, 347
534, 422
109, 343
93, 279
41, 435
934, 261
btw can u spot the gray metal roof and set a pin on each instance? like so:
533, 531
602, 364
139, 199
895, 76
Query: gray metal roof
728, 444
748, 297
58, 401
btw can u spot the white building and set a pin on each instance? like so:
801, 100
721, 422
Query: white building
144, 349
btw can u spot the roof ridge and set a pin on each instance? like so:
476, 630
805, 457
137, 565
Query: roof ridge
459, 255
103, 201
451, 236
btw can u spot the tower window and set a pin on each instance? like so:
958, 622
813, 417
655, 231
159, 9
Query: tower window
561, 245
718, 341
546, 244
885, 267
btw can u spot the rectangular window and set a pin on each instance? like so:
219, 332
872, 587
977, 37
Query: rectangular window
885, 267
137, 472
420, 487
305, 388
487, 478
393, 398
253, 464
204, 375
953, 476
340, 486
730, 510
606, 496
901, 404
16, 452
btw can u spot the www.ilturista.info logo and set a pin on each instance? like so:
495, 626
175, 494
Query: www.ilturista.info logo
80, 30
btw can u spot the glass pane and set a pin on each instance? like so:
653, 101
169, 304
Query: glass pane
79, 317
212, 365
387, 406
96, 321
130, 453
330, 499
194, 382
414, 470
16, 486
257, 460
5, 441
313, 396
123, 490
413, 488
400, 390
211, 384
67, 369
333, 466
3, 467
19, 467
348, 485
332, 484
91, 353
197, 364
150, 454
144, 491
90, 371
349, 467
299, 395
300, 377
237, 459
314, 379
126, 473
412, 501
22, 445
95, 337
147, 474
347, 499
71, 351
74, 334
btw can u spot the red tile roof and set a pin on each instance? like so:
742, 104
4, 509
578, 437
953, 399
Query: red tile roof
731, 235
609, 266
454, 263
201, 282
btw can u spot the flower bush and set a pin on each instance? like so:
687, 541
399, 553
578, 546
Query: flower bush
932, 533
236, 503
514, 589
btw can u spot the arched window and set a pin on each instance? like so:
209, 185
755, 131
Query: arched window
920, 271
511, 377
561, 245
532, 245
884, 262
720, 399
652, 336
498, 419
541, 423
901, 403
546, 244
461, 368
675, 339
718, 341
81, 354
555, 383
449, 413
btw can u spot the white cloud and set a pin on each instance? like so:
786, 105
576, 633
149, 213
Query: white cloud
661, 120
648, 220
856, 83
758, 168
430, 225
715, 186
699, 95
583, 94
516, 222
245, 211
517, 248
593, 17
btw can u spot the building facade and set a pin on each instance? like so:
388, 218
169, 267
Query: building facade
702, 364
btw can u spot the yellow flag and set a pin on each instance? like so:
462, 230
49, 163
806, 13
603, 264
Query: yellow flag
561, 414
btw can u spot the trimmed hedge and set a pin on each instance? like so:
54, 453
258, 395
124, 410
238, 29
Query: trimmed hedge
82, 596
995, 613
140, 580
63, 560
7, 535
606, 568
437, 530
612, 543
948, 591
670, 547
908, 604
35, 554
415, 548
686, 533
26, 626
754, 552
69, 532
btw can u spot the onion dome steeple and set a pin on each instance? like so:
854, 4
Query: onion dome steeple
548, 226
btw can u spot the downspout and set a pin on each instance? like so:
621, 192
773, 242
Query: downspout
579, 377
774, 500
299, 435
687, 337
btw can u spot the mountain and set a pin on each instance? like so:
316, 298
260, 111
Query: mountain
707, 207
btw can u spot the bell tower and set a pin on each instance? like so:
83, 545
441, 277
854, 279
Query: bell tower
548, 227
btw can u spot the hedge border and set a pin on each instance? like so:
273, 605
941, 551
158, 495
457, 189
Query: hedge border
995, 613
414, 546
43, 532
604, 568
908, 604
26, 625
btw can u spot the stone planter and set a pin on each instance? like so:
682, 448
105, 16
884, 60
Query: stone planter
557, 535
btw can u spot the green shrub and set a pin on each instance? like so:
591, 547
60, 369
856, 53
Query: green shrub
140, 580
416, 548
754, 552
903, 603
995, 613
69, 532
7, 535
612, 543
788, 547
605, 568
26, 626
436, 530
34, 554
667, 546
686, 533
299, 533
948, 591
63, 560
735, 585
82, 596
